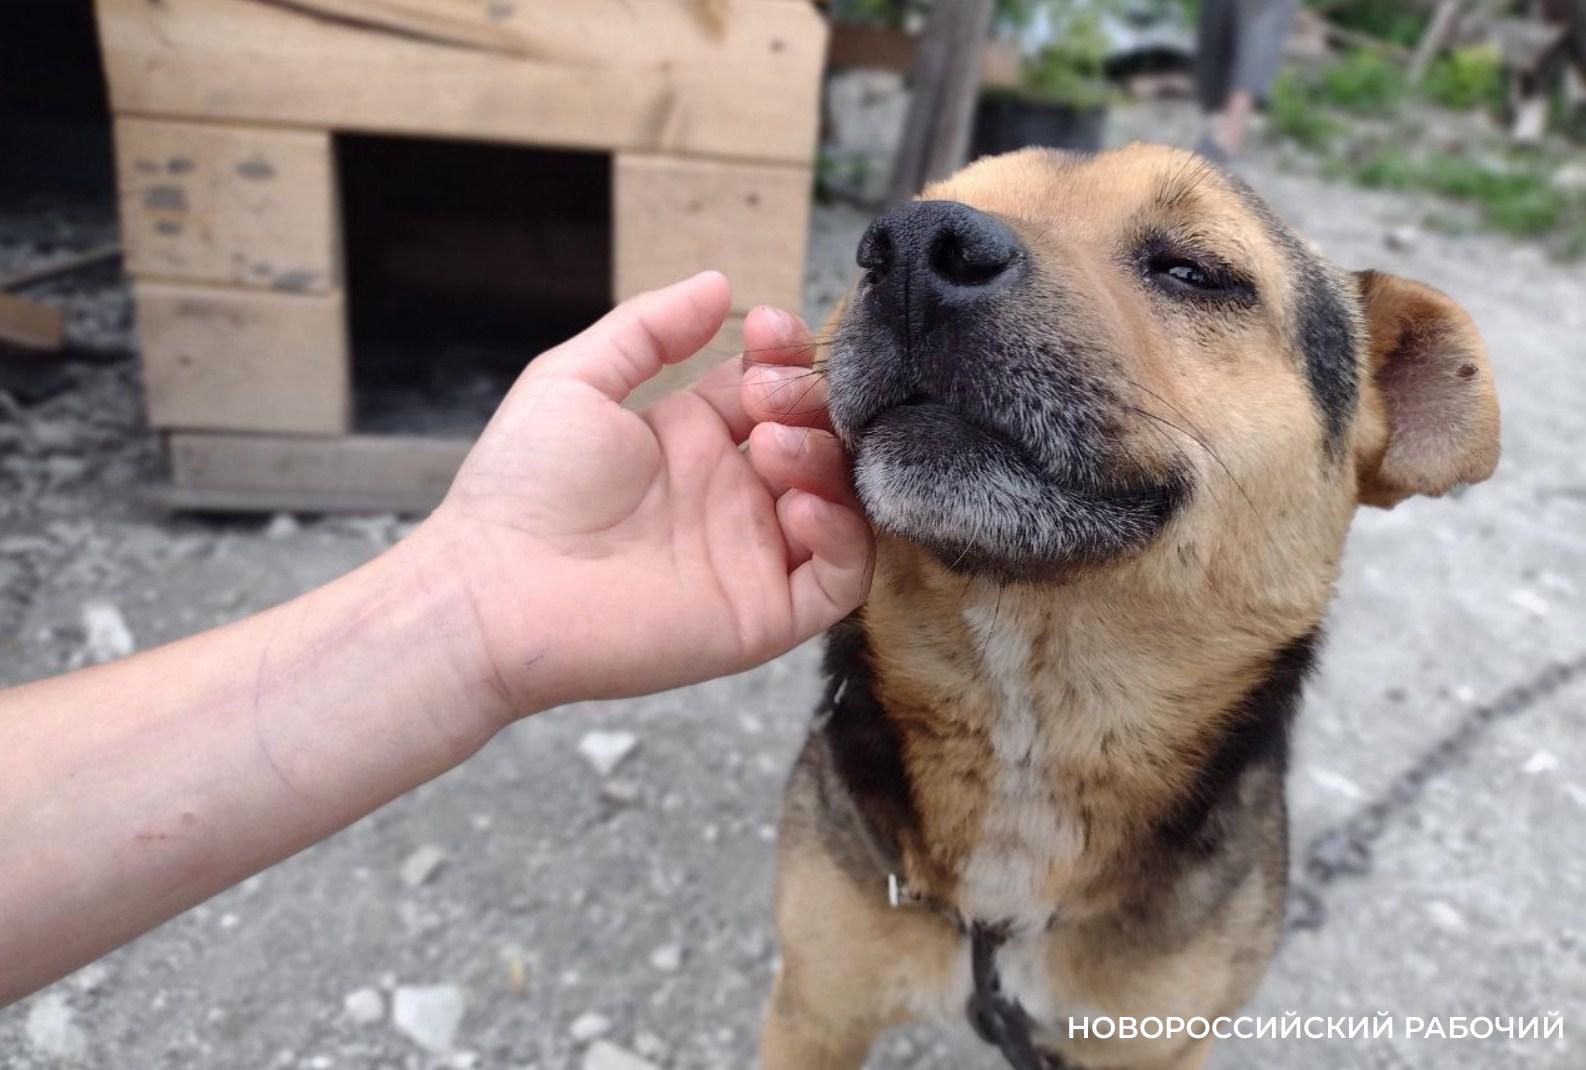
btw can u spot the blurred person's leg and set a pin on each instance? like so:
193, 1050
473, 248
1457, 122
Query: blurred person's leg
1249, 56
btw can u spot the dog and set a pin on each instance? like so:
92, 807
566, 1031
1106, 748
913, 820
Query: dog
1111, 419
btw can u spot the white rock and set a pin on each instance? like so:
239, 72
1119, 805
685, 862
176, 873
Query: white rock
1336, 782
649, 1045
1445, 917
91, 978
364, 1006
109, 637
607, 750
588, 1026
605, 1056
282, 526
51, 1030
1529, 601
1541, 762
1401, 239
428, 1015
422, 864
667, 958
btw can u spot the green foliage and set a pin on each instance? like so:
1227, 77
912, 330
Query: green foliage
1514, 195
1363, 82
1293, 114
1467, 78
1071, 70
1388, 20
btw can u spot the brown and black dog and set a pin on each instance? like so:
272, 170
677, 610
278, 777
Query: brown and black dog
1111, 419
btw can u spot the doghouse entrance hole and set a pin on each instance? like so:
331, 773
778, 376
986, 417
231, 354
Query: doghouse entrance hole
464, 260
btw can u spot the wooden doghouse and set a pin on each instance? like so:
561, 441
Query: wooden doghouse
228, 117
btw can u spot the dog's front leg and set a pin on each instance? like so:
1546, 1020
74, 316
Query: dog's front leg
803, 1034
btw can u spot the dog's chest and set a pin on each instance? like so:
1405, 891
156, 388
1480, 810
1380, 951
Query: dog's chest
1026, 835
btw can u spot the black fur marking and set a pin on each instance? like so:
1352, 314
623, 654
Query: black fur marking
865, 747
1257, 734
1323, 329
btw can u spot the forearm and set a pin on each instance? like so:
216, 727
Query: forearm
132, 791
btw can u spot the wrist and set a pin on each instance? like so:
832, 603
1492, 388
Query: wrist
490, 647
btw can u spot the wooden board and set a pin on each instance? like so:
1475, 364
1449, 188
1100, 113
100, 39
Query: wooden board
675, 217
235, 205
31, 324
728, 343
234, 359
356, 469
604, 74
855, 46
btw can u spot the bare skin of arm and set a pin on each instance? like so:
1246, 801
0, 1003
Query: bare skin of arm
584, 551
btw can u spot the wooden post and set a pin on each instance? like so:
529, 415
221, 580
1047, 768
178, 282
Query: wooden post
946, 83
1432, 41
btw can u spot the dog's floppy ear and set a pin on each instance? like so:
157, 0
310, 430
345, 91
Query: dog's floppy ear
1429, 412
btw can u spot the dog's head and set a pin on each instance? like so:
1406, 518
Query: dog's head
1056, 362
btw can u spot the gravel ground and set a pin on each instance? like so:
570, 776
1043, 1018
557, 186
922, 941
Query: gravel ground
533, 910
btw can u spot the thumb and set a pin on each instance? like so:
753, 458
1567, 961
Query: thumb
637, 338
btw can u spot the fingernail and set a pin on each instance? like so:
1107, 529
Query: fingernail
788, 438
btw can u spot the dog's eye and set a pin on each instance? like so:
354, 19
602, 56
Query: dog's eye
1184, 274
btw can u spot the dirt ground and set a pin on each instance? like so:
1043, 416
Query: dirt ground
530, 911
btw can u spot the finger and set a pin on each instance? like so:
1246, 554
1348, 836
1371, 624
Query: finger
797, 552
836, 578
722, 389
637, 338
802, 458
776, 336
779, 383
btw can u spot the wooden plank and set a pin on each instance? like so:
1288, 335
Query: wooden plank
235, 205
599, 74
856, 46
728, 343
31, 324
351, 468
673, 218
946, 85
238, 359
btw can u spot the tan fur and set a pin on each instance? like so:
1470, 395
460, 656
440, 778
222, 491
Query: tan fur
1138, 660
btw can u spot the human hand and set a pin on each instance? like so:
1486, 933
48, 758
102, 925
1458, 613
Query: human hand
606, 552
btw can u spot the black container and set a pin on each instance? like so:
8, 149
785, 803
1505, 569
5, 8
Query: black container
1005, 121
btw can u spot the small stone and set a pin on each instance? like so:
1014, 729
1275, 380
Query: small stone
1540, 762
1336, 782
109, 637
364, 1006
650, 1046
91, 978
620, 792
1401, 239
607, 750
321, 1062
1529, 601
282, 526
1445, 917
51, 1030
428, 1015
606, 1056
588, 1026
422, 864
229, 921
668, 958
63, 470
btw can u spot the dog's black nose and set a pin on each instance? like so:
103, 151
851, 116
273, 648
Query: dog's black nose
936, 253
